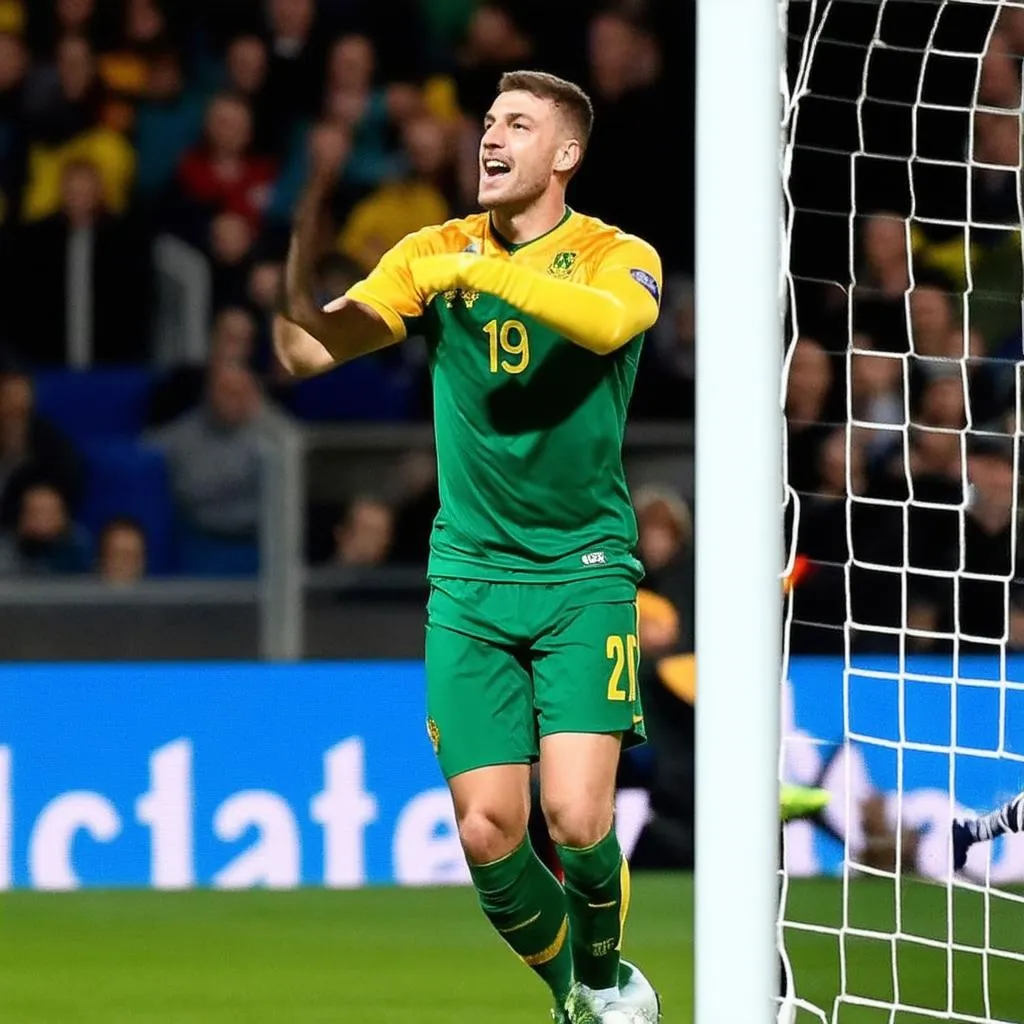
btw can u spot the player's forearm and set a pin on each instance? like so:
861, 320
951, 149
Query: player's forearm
298, 351
592, 317
319, 338
299, 305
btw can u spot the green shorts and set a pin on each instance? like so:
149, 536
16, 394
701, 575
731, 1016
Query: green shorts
508, 663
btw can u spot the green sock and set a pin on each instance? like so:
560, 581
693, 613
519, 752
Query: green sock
597, 889
525, 903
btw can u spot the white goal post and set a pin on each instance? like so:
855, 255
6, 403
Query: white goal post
738, 488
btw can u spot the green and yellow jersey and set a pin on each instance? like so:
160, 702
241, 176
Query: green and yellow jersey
533, 359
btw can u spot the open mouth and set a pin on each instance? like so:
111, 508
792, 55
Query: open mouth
494, 168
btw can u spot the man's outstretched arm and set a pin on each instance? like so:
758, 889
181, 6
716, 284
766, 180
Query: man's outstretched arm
619, 302
968, 831
309, 339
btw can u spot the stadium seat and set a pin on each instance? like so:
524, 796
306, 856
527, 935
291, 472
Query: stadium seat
128, 478
200, 554
362, 391
95, 403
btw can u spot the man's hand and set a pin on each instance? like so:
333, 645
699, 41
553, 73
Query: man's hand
434, 274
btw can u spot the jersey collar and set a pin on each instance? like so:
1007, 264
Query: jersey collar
513, 247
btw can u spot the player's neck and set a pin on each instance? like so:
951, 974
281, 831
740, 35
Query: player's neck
520, 226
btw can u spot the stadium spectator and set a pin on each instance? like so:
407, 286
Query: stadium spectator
809, 384
48, 23
665, 529
247, 66
181, 388
31, 448
496, 41
215, 458
988, 538
665, 377
232, 246
879, 294
1000, 74
364, 535
416, 503
942, 404
45, 541
405, 204
222, 175
14, 63
297, 56
366, 111
142, 36
935, 335
99, 260
168, 121
997, 150
627, 91
877, 389
68, 121
122, 553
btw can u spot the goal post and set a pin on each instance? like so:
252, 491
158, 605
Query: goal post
738, 500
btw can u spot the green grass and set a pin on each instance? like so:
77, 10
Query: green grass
387, 956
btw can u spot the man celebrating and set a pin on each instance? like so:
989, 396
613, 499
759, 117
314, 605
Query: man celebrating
534, 316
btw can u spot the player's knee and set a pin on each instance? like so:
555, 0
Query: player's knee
577, 824
488, 835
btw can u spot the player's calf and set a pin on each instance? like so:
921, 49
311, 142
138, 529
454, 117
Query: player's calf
519, 896
578, 793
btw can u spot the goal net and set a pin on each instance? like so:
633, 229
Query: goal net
903, 691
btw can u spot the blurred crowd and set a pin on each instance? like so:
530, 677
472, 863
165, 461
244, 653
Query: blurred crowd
126, 122
903, 405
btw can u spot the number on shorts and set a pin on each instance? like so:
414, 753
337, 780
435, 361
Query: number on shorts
623, 653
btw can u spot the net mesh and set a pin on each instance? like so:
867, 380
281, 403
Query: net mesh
902, 388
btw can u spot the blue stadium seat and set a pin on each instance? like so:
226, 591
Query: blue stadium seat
200, 554
360, 391
95, 403
128, 478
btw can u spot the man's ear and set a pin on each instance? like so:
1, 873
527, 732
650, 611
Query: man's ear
568, 157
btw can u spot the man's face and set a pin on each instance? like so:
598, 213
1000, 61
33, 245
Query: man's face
229, 127
425, 144
365, 538
43, 515
75, 68
81, 194
292, 19
233, 395
123, 556
13, 61
247, 64
524, 143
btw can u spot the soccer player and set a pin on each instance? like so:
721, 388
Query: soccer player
968, 831
534, 315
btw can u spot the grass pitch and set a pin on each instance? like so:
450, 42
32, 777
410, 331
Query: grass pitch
388, 956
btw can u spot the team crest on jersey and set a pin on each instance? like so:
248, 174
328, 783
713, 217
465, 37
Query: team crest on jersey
435, 734
562, 264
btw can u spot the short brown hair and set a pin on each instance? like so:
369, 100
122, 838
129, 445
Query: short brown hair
566, 96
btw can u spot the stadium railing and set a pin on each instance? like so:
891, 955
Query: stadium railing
291, 611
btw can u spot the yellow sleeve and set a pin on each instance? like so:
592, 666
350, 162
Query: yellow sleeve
389, 290
620, 302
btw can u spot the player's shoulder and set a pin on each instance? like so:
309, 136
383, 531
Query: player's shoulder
605, 239
457, 235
